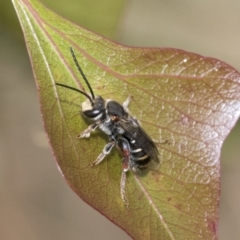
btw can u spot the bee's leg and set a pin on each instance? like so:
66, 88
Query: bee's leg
125, 168
124, 147
126, 102
106, 150
86, 133
122, 187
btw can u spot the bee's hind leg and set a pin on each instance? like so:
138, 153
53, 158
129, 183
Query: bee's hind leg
124, 147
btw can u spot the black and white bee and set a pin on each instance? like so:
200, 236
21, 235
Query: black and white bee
136, 147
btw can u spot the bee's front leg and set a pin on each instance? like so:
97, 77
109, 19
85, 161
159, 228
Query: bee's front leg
86, 133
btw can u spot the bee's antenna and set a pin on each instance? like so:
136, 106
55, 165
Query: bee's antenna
81, 72
77, 90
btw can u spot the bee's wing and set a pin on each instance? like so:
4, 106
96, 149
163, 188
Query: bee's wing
133, 131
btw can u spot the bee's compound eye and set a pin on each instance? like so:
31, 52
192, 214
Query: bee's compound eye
92, 113
99, 104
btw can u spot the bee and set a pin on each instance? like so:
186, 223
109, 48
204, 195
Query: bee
124, 131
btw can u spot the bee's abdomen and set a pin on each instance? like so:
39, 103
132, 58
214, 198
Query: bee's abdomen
140, 158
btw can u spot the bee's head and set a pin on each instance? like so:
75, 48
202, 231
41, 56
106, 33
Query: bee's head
93, 109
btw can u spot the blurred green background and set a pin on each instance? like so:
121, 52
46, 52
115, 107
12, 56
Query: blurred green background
36, 202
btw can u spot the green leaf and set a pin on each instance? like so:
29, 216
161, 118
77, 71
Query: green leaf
99, 16
190, 101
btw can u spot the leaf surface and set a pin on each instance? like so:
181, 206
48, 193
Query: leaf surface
99, 16
187, 100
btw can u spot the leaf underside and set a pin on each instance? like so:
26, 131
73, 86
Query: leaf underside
187, 103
